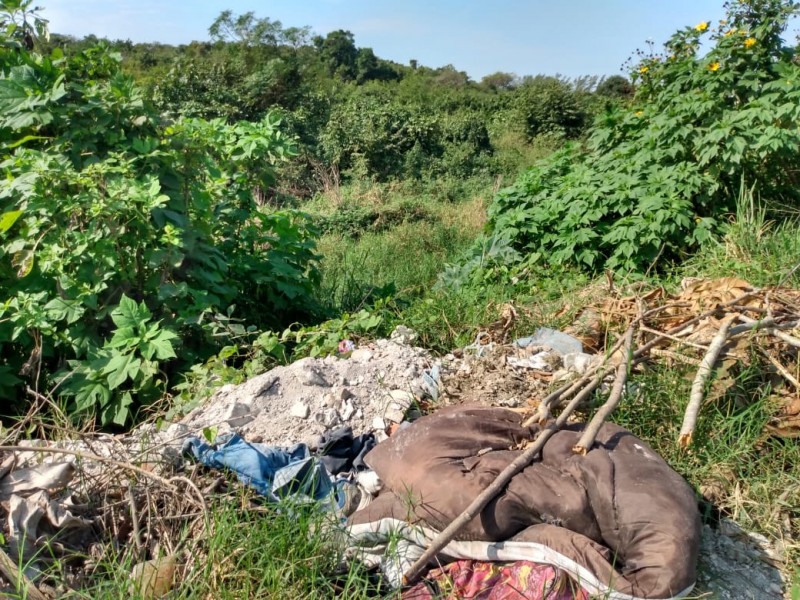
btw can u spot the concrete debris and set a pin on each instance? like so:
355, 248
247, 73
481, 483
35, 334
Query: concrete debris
379, 381
300, 410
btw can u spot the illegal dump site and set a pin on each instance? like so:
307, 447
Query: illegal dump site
503, 469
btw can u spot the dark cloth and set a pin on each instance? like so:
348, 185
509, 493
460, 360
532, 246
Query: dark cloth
341, 452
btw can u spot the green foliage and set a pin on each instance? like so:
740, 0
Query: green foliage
656, 179
371, 135
118, 233
549, 105
126, 367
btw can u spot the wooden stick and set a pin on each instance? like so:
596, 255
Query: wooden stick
791, 340
687, 360
590, 433
543, 412
16, 577
782, 370
477, 505
674, 338
678, 328
699, 384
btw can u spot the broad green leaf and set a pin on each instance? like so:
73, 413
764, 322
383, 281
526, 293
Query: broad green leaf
64, 310
122, 411
7, 219
129, 314
162, 344
23, 263
120, 368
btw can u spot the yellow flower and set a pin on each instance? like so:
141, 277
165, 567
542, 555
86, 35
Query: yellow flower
702, 26
713, 67
749, 43
643, 70
730, 32
639, 113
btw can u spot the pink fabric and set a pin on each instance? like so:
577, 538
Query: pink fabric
477, 580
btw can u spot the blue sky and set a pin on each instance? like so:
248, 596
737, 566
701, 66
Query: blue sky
526, 37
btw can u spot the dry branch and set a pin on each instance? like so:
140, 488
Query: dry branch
785, 337
17, 578
590, 433
698, 386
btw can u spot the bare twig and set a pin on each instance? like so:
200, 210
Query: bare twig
641, 352
785, 337
136, 534
782, 370
674, 338
567, 390
590, 433
688, 360
477, 505
698, 386
17, 578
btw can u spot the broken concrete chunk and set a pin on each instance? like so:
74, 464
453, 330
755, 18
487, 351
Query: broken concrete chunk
265, 384
328, 417
402, 397
300, 410
361, 355
347, 409
579, 362
403, 335
310, 376
238, 414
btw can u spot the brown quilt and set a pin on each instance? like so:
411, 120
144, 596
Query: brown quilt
619, 516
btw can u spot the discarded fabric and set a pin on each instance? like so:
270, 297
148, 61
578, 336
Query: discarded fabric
619, 520
522, 580
341, 452
275, 473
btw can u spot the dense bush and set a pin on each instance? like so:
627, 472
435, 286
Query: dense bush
122, 239
656, 179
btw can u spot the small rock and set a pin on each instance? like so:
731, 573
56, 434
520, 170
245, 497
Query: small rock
403, 335
403, 397
300, 410
311, 376
328, 417
347, 410
238, 415
359, 413
378, 424
176, 431
266, 385
346, 394
394, 412
361, 355
579, 362
329, 400
380, 436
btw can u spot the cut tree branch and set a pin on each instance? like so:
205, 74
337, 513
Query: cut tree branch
590, 433
699, 384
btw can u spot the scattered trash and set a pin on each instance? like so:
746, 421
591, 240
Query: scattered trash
551, 338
